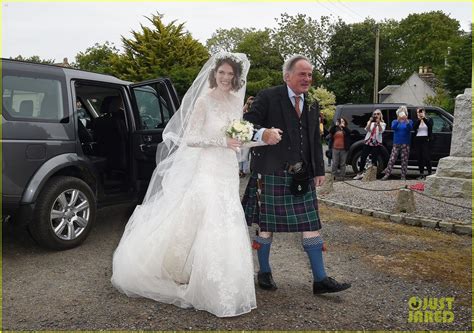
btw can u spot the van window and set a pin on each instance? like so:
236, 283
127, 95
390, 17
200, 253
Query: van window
389, 115
36, 99
357, 120
440, 124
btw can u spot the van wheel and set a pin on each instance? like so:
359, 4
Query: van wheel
64, 214
356, 159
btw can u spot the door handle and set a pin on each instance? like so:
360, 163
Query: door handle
144, 147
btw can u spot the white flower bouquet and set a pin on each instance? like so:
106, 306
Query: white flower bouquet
241, 130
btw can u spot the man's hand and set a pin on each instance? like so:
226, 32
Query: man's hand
319, 180
272, 136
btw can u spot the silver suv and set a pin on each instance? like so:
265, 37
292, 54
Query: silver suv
74, 141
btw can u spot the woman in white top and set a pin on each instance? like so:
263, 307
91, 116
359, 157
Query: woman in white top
423, 127
373, 141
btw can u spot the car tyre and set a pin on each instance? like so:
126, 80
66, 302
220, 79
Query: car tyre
64, 213
356, 158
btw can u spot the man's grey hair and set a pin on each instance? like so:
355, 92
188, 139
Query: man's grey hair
291, 61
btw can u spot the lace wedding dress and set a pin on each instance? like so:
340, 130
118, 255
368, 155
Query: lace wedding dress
191, 247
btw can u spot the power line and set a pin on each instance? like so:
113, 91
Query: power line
330, 10
342, 9
350, 9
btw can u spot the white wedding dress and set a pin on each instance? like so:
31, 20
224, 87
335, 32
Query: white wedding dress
191, 247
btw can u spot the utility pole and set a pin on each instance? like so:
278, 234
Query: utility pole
376, 74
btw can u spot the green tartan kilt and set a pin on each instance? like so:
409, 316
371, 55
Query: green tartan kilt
275, 209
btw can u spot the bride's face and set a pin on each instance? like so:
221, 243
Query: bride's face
224, 76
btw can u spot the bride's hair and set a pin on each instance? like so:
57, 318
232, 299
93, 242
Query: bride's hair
237, 67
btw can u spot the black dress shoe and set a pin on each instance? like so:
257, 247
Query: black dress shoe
329, 285
265, 281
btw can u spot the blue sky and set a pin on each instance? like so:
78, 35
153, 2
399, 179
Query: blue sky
58, 30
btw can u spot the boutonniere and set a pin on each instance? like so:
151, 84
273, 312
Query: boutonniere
311, 98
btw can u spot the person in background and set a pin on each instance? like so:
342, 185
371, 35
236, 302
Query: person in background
325, 136
401, 127
373, 141
244, 163
423, 127
339, 135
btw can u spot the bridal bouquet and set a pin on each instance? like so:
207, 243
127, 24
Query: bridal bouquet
241, 130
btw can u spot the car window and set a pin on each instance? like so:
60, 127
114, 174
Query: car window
440, 124
32, 98
389, 115
154, 110
83, 115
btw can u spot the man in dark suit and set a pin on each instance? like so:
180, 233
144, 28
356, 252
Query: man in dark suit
280, 195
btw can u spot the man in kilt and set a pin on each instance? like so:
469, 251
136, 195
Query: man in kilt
275, 198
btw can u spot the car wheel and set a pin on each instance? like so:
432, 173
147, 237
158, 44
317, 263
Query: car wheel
64, 214
356, 159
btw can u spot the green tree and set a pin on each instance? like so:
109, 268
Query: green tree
300, 34
441, 99
35, 59
265, 60
162, 50
98, 58
326, 100
424, 40
458, 73
351, 62
390, 69
226, 39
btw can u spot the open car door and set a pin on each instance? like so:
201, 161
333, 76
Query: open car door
154, 102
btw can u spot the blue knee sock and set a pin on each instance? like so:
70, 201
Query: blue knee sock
263, 253
314, 248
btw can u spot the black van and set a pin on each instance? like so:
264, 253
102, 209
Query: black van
74, 141
358, 115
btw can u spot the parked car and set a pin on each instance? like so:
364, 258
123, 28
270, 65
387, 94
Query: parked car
357, 116
74, 141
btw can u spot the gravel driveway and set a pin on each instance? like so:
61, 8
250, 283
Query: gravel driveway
386, 263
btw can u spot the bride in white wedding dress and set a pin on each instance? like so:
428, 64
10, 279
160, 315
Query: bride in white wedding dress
188, 243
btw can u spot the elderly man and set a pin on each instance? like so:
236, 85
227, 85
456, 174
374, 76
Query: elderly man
280, 195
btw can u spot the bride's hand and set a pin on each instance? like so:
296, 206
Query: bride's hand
234, 144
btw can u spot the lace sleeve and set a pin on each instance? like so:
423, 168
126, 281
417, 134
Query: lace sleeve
196, 136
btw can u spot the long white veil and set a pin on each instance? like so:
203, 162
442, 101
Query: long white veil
176, 161
173, 249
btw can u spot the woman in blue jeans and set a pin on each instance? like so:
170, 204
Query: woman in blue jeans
401, 127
